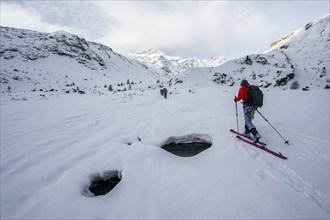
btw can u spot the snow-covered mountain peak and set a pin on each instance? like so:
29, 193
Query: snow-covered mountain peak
299, 60
152, 52
318, 29
173, 65
309, 50
61, 32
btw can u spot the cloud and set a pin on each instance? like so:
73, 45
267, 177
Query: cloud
14, 15
183, 28
49, 16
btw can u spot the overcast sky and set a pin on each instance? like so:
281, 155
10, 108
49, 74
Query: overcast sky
181, 28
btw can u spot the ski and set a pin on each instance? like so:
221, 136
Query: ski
240, 134
262, 147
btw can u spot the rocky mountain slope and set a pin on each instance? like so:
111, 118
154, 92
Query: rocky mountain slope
172, 65
309, 50
63, 62
298, 61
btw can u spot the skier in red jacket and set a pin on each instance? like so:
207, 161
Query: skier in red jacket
248, 112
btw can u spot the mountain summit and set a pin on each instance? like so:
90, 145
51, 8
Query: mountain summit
173, 65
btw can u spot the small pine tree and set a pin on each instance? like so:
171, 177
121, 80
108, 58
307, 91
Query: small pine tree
128, 81
9, 88
110, 88
129, 87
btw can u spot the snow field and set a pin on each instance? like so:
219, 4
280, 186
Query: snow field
51, 148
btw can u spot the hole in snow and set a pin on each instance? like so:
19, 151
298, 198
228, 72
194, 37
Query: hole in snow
189, 145
103, 184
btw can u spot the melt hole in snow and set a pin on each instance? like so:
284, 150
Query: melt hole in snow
103, 184
188, 145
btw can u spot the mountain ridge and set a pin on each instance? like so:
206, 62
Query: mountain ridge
36, 61
174, 65
300, 61
33, 61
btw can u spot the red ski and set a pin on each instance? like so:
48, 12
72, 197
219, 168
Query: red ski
250, 138
262, 147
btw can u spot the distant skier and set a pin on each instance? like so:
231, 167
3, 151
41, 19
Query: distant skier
165, 93
248, 112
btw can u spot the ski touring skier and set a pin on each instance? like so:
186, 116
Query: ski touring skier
165, 93
248, 112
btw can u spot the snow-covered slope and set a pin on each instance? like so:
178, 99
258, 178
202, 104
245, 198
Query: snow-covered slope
60, 62
309, 50
172, 65
301, 61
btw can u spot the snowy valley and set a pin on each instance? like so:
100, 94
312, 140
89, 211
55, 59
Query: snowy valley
74, 111
61, 62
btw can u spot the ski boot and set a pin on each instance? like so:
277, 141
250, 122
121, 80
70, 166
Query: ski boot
256, 138
247, 134
256, 135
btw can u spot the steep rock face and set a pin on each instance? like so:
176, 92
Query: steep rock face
31, 45
282, 40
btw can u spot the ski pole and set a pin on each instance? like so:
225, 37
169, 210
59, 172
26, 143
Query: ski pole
236, 115
285, 141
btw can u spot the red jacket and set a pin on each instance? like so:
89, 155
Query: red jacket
242, 94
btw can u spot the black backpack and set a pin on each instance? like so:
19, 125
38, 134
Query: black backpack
255, 97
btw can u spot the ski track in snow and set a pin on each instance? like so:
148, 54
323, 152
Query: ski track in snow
319, 146
290, 177
299, 185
